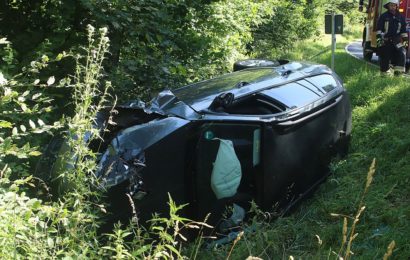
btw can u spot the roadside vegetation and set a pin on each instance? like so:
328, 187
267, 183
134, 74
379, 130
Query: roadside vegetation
56, 73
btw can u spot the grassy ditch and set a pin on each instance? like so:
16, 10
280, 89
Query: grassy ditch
322, 226
359, 211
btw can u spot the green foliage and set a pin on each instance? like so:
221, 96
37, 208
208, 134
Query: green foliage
339, 6
88, 99
163, 240
158, 44
24, 109
32, 228
7, 55
169, 43
41, 26
68, 227
292, 22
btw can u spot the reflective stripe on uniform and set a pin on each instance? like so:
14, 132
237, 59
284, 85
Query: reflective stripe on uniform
399, 28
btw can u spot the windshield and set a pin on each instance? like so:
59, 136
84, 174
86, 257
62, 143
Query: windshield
207, 90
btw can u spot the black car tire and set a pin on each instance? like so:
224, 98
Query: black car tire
251, 63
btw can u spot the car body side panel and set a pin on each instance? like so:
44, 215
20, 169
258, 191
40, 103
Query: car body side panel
164, 174
296, 156
126, 151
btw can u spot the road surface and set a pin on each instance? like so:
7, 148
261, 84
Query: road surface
356, 50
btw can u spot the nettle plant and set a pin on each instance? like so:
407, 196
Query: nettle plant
23, 107
23, 112
66, 227
31, 227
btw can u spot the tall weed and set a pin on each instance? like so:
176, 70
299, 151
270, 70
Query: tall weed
30, 227
349, 234
67, 227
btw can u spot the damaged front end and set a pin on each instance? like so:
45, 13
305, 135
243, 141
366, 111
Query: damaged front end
133, 135
131, 129
125, 155
137, 136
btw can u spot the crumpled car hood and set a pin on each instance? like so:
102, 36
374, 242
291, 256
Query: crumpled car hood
125, 154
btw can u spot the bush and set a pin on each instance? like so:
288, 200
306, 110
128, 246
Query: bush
291, 22
162, 44
68, 226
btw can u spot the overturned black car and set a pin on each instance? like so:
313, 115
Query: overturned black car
265, 133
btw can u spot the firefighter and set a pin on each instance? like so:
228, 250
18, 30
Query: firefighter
391, 38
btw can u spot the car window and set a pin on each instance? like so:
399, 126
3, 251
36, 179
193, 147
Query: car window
292, 95
246, 139
201, 90
256, 104
280, 98
285, 97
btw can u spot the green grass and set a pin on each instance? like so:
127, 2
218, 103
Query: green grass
381, 127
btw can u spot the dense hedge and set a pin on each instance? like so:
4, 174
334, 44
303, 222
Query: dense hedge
158, 43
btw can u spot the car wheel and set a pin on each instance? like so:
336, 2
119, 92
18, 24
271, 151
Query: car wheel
251, 63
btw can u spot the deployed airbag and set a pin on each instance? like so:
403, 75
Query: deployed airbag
226, 172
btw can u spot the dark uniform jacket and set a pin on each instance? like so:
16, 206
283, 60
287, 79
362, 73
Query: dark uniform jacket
393, 26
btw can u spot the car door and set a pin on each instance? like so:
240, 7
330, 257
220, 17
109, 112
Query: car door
246, 141
297, 151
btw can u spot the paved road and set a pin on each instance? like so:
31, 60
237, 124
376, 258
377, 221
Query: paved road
356, 50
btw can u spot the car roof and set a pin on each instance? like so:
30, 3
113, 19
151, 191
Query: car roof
199, 96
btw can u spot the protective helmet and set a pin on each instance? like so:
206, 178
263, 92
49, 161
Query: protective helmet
397, 2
